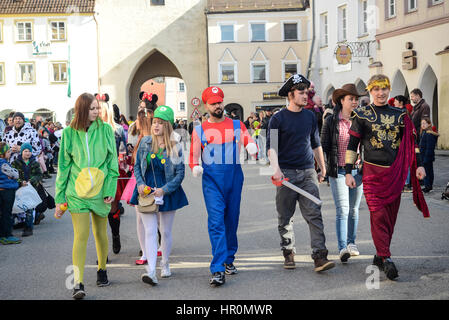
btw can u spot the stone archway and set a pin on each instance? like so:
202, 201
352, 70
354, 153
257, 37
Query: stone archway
327, 96
429, 88
236, 108
361, 87
44, 114
154, 65
399, 85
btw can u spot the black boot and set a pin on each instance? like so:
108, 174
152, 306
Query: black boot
390, 269
116, 245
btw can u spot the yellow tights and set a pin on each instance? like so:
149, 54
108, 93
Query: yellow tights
81, 231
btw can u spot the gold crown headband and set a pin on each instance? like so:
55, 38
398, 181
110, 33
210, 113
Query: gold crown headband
384, 83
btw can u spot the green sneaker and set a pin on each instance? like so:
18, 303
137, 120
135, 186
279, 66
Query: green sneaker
10, 240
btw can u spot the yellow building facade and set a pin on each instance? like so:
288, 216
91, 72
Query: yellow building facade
252, 51
413, 51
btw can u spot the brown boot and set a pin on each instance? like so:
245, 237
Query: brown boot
321, 262
289, 256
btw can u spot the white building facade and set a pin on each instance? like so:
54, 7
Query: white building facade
37, 51
344, 30
176, 96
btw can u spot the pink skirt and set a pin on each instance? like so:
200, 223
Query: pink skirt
129, 189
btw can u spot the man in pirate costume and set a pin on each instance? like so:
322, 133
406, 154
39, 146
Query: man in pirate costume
217, 142
389, 143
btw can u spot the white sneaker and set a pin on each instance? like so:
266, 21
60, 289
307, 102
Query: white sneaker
165, 272
352, 248
149, 278
344, 255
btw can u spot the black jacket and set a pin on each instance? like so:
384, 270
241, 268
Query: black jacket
427, 146
329, 142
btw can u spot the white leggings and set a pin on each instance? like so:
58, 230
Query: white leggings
147, 226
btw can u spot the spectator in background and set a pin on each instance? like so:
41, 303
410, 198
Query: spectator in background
427, 146
8, 187
124, 124
29, 173
364, 101
400, 102
9, 124
329, 109
421, 109
21, 133
318, 110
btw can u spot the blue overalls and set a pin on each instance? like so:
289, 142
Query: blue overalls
222, 190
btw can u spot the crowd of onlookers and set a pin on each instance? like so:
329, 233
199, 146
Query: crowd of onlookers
28, 156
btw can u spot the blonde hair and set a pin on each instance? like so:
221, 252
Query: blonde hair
107, 114
170, 145
378, 80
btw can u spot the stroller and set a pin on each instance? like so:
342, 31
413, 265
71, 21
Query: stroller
445, 194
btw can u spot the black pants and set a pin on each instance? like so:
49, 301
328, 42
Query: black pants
7, 197
114, 218
428, 180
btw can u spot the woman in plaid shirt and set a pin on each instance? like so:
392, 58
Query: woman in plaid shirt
335, 139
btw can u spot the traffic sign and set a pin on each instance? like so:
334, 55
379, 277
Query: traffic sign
195, 113
195, 102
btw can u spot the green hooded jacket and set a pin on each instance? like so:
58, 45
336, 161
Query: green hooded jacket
87, 169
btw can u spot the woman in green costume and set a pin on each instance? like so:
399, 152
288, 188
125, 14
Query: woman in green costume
87, 182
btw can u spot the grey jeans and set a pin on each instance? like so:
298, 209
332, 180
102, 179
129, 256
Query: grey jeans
286, 205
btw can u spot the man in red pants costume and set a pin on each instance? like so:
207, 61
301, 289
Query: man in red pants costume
388, 137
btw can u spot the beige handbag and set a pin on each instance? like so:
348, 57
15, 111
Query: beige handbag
147, 204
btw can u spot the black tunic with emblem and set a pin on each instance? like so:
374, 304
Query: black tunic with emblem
379, 129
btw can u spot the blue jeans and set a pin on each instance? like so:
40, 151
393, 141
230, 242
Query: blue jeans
347, 203
407, 182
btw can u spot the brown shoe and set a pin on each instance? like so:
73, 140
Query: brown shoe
321, 262
289, 256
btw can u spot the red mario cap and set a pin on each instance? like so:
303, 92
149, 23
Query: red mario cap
212, 95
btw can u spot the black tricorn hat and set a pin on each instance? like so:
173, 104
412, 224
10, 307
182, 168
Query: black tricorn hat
295, 79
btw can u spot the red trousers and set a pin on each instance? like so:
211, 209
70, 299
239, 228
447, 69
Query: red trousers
382, 227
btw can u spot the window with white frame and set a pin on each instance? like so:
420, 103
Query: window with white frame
24, 31
433, 2
58, 31
1, 31
342, 23
364, 17
290, 69
258, 31
324, 30
26, 73
182, 106
227, 73
391, 8
182, 87
227, 33
290, 31
259, 72
2, 73
59, 72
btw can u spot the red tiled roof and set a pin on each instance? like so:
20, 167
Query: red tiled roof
46, 6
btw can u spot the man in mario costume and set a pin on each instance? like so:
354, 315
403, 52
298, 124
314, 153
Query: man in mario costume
217, 142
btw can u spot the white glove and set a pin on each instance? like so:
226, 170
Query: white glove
197, 171
252, 148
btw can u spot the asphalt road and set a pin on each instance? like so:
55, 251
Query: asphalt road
36, 269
